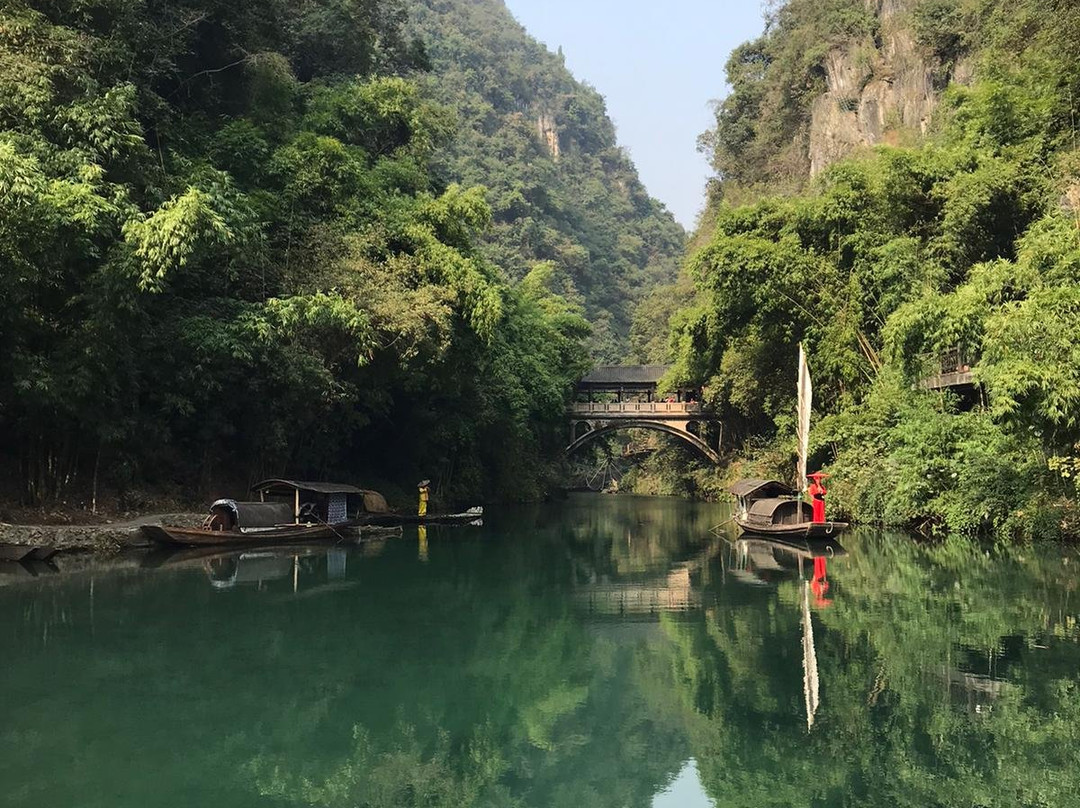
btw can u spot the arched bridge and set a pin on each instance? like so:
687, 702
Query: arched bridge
630, 401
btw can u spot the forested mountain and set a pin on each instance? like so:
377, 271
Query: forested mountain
958, 236
560, 187
830, 76
230, 246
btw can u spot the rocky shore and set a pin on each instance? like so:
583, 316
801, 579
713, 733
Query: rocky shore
104, 538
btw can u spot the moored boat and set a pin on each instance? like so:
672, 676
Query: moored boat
15, 552
289, 511
469, 517
248, 523
202, 537
295, 512
772, 508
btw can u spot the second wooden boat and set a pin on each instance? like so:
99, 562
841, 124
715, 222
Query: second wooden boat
281, 534
15, 552
471, 516
251, 523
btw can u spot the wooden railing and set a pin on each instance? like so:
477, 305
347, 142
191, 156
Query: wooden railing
951, 369
655, 409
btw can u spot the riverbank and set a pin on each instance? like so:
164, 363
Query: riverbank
930, 495
118, 523
103, 538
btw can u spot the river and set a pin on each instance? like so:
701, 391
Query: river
602, 651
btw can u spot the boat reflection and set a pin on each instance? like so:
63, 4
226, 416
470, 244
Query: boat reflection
29, 568
308, 567
764, 562
672, 585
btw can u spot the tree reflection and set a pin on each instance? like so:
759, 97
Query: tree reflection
493, 674
948, 677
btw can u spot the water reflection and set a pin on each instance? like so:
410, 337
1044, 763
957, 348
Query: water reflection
685, 792
304, 566
606, 651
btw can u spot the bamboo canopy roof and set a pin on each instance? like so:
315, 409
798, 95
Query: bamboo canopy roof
764, 488
298, 485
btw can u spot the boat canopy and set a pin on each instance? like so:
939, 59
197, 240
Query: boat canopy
780, 512
762, 488
281, 486
244, 515
337, 501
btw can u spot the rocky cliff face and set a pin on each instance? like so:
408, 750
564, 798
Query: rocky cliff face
879, 89
548, 130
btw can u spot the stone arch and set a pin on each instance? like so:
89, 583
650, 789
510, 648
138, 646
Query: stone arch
580, 429
656, 426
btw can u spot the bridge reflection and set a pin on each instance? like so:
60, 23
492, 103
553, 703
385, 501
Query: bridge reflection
673, 593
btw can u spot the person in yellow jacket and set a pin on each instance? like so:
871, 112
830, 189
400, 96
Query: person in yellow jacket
422, 510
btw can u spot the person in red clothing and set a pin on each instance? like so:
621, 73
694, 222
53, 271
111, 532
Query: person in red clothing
817, 496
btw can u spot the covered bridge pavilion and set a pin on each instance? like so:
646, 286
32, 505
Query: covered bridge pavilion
636, 406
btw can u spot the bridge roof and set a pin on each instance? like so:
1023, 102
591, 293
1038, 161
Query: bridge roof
625, 375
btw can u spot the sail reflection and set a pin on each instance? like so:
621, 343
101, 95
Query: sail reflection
560, 657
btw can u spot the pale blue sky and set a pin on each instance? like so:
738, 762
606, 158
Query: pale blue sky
658, 64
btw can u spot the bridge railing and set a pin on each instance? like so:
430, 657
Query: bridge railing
643, 408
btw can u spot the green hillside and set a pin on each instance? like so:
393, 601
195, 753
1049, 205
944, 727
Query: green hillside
966, 240
231, 246
560, 187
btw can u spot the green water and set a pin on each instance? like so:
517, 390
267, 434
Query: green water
606, 651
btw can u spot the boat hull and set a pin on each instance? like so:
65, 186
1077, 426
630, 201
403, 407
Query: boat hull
16, 552
199, 537
799, 530
809, 548
392, 519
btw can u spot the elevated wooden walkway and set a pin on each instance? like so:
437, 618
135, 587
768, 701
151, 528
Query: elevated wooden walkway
952, 369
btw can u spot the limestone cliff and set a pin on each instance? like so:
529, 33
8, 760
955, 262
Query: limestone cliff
548, 130
880, 89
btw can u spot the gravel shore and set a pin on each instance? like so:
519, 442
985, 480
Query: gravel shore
102, 538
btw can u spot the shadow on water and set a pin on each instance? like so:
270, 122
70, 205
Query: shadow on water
604, 651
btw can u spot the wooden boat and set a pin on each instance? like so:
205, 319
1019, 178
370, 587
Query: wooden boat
296, 512
317, 511
771, 508
208, 537
345, 505
469, 517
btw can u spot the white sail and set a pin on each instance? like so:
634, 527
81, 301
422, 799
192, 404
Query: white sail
803, 426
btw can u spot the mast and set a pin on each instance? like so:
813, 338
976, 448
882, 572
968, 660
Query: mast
803, 425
